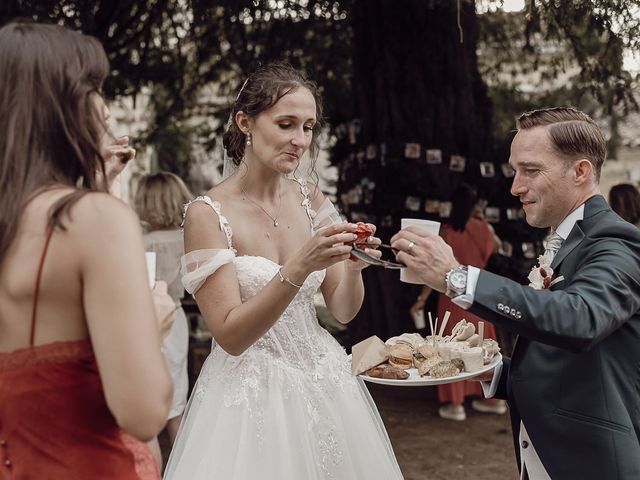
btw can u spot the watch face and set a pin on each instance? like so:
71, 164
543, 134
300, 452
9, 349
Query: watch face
458, 280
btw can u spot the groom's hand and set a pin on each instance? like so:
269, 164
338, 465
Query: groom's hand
425, 254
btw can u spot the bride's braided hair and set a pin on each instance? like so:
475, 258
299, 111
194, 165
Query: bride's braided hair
262, 89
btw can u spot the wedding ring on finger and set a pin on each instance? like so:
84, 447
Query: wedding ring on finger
410, 247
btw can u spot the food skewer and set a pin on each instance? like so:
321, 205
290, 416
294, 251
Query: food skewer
447, 314
481, 331
431, 325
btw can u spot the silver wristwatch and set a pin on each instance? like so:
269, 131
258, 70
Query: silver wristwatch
456, 281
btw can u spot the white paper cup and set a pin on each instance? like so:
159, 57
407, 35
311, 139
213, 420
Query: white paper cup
430, 226
418, 320
151, 267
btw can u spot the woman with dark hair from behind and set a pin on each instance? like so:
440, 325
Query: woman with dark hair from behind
624, 199
470, 238
81, 372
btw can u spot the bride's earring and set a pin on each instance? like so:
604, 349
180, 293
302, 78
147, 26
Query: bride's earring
248, 139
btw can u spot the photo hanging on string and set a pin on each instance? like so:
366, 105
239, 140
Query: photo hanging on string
434, 156
457, 163
412, 150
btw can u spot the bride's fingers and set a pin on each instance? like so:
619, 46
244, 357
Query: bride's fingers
373, 242
340, 238
338, 228
372, 227
373, 252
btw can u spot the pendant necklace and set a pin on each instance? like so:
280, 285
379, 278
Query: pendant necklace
273, 219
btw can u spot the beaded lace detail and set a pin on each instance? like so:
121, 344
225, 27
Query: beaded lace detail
306, 202
222, 220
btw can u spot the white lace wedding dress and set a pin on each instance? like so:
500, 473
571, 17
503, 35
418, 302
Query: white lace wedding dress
288, 408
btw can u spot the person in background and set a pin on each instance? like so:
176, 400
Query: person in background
82, 379
473, 240
624, 199
159, 201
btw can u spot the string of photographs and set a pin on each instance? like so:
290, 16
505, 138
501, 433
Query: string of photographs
362, 194
432, 156
415, 151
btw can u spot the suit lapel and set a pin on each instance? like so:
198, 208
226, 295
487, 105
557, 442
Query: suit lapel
592, 206
573, 240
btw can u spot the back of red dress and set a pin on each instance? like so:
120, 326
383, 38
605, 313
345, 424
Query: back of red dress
54, 420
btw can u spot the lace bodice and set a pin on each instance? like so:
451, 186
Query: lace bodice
295, 333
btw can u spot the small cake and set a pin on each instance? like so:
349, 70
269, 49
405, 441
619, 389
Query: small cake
472, 358
449, 350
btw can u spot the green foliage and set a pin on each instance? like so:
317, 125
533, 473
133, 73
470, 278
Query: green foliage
178, 47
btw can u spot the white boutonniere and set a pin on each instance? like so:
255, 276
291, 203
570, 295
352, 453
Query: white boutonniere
541, 276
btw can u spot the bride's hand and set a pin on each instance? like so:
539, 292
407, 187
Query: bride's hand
371, 249
327, 247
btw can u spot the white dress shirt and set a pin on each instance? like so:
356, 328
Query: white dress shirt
530, 465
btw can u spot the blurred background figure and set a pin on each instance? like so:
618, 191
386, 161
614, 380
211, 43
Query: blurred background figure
159, 201
82, 380
473, 240
624, 199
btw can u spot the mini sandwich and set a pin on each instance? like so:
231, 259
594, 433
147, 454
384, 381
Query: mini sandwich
401, 355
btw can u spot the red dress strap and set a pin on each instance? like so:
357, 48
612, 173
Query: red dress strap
37, 289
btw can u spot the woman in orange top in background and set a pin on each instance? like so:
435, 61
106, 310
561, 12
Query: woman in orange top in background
81, 371
473, 241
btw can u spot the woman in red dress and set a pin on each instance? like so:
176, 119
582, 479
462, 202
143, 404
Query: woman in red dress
82, 378
473, 241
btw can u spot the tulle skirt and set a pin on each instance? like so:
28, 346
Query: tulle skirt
254, 416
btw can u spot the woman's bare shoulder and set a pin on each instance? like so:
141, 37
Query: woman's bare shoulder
98, 214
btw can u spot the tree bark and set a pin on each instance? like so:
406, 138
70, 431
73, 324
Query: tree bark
414, 81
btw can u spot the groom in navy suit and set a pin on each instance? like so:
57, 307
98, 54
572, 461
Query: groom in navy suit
573, 381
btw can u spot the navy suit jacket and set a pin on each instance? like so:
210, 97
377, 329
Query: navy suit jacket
574, 376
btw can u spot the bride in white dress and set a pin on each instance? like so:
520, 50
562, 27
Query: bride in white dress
275, 399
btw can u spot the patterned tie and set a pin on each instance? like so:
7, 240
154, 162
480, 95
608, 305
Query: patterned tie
552, 245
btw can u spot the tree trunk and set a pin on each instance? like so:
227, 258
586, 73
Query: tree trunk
414, 82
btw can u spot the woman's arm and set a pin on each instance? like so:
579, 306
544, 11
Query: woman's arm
236, 325
120, 314
343, 291
342, 288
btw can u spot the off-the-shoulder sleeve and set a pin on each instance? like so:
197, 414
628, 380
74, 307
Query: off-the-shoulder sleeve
198, 265
326, 215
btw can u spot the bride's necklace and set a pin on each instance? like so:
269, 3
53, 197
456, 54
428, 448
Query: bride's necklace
273, 219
